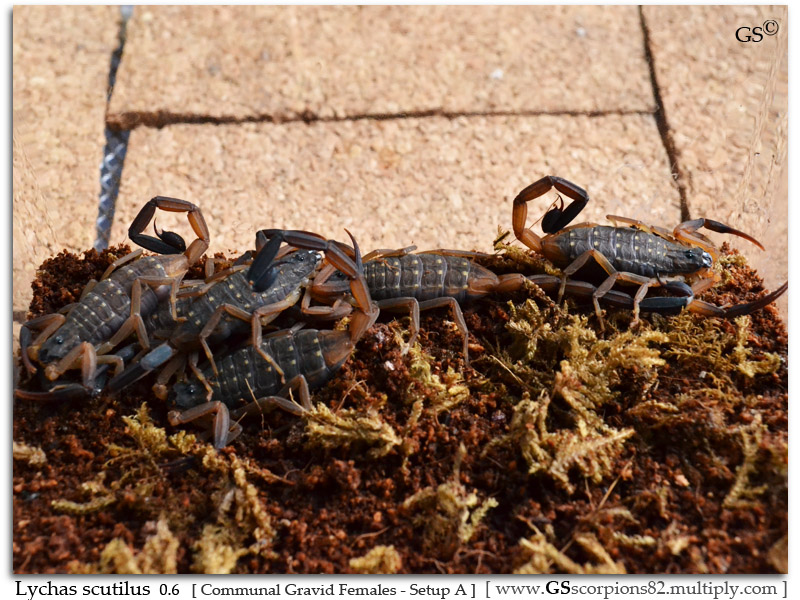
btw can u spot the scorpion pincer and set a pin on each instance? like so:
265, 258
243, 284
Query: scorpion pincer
307, 357
112, 309
648, 256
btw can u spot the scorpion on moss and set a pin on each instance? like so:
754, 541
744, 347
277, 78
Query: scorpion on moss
307, 358
648, 256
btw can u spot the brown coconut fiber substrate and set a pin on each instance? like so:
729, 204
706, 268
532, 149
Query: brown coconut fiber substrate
561, 448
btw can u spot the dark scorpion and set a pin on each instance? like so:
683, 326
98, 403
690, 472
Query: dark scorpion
401, 280
306, 357
647, 256
230, 302
114, 308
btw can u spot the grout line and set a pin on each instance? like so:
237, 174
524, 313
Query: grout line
663, 124
114, 151
131, 120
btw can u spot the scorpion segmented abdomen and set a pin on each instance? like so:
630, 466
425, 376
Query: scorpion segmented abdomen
244, 375
457, 277
627, 249
146, 266
393, 277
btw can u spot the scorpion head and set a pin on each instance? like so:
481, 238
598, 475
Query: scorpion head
58, 345
689, 260
186, 395
299, 265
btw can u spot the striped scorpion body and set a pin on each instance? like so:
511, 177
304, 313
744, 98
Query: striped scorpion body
228, 304
112, 309
681, 260
294, 360
402, 280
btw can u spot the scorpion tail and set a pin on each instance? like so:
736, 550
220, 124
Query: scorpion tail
151, 361
59, 393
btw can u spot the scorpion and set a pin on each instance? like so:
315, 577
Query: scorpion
114, 308
307, 357
402, 280
227, 302
648, 256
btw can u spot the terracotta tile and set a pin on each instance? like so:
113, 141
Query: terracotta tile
434, 182
61, 57
282, 62
726, 102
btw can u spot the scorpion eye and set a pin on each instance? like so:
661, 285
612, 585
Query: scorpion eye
58, 339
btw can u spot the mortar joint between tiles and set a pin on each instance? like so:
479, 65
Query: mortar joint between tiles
662, 122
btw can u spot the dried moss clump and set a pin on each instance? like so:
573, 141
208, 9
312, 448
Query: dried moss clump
347, 427
379, 560
440, 392
544, 557
448, 514
158, 556
588, 374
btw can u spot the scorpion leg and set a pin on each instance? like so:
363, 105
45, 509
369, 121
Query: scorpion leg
686, 232
584, 289
413, 307
458, 316
259, 406
224, 431
86, 354
710, 310
655, 229
176, 363
554, 219
121, 261
613, 276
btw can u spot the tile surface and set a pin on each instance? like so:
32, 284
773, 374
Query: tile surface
433, 182
727, 106
60, 77
425, 122
342, 61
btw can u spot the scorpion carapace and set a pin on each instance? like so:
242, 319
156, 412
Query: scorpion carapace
253, 379
114, 308
647, 256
